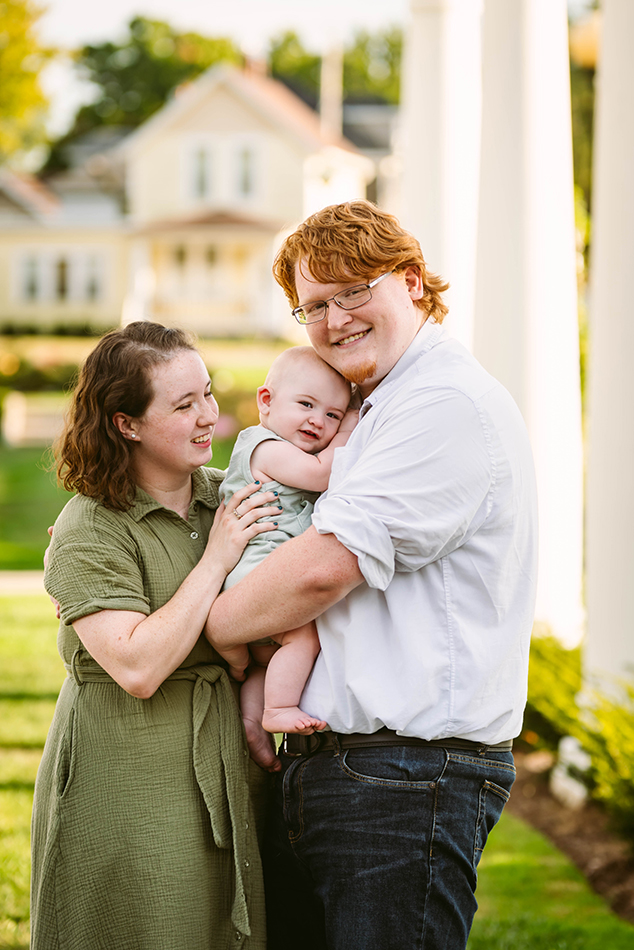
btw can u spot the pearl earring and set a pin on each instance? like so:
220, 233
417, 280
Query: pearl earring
133, 435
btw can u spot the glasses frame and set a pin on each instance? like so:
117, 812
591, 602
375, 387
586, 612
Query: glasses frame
296, 311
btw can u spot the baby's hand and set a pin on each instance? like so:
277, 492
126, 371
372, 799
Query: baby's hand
349, 421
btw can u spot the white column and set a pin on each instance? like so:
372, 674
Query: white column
526, 329
440, 135
610, 483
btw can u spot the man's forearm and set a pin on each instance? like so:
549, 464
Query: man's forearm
293, 585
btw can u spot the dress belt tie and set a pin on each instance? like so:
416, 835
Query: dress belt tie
221, 763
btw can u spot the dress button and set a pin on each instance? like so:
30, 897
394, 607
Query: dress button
194, 535
247, 864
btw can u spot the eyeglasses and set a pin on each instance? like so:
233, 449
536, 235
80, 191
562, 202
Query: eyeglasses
348, 299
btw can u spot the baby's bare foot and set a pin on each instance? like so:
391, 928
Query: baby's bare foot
291, 719
261, 746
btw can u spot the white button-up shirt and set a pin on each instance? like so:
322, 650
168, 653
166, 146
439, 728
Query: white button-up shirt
435, 494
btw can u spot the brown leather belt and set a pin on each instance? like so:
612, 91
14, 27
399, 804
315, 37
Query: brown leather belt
296, 745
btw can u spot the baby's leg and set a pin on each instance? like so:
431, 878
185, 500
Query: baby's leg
252, 706
286, 677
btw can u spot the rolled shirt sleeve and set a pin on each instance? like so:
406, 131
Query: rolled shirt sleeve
420, 484
93, 564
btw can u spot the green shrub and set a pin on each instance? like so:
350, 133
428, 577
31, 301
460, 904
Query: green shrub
603, 724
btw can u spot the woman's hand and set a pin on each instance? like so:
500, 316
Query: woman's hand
236, 523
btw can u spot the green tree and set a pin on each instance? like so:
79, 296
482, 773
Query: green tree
582, 95
371, 67
293, 65
136, 77
22, 103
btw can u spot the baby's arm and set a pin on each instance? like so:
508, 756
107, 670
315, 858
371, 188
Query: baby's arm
290, 465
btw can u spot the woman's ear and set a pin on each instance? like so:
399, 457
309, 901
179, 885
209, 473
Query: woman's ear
126, 426
263, 399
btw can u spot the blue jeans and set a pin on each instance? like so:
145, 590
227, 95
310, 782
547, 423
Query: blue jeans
377, 849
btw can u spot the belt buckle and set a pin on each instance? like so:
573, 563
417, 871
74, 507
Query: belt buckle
295, 745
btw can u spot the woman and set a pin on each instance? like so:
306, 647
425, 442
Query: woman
143, 828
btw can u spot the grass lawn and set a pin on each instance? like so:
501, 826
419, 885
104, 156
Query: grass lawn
31, 499
530, 895
532, 898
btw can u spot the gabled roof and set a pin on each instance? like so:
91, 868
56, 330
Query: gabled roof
28, 193
208, 219
270, 98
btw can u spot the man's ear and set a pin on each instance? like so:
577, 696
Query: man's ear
414, 282
263, 399
126, 426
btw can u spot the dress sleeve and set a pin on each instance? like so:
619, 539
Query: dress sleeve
421, 486
94, 563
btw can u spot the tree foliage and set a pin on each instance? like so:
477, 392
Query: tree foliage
582, 94
136, 77
293, 65
22, 103
371, 67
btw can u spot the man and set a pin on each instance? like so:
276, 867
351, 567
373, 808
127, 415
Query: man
420, 567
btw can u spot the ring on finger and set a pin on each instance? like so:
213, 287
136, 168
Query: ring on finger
235, 511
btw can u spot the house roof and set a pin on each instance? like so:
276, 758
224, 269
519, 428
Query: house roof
270, 98
208, 219
28, 193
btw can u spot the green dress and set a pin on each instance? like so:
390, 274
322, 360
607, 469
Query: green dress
144, 833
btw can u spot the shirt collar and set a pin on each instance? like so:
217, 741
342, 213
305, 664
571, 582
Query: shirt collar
427, 337
204, 492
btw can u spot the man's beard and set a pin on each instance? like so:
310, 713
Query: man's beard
359, 374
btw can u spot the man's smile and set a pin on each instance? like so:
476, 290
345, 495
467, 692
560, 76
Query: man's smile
352, 338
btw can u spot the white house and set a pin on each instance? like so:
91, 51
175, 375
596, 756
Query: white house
213, 181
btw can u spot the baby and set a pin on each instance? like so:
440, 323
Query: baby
304, 417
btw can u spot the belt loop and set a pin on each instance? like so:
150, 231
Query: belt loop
336, 744
74, 667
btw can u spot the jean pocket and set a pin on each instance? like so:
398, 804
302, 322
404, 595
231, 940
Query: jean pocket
394, 767
492, 800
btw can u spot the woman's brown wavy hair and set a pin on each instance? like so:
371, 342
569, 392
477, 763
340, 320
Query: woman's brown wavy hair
356, 239
93, 458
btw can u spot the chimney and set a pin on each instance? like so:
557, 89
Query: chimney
331, 92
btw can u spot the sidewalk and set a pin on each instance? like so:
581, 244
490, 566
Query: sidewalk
22, 582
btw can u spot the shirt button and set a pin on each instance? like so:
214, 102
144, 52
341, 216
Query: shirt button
238, 935
194, 535
247, 864
246, 826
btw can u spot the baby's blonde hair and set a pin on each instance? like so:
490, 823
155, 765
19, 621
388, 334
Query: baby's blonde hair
296, 356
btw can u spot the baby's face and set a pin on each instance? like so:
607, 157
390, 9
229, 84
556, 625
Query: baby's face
307, 407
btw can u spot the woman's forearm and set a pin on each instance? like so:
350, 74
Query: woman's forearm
292, 586
141, 652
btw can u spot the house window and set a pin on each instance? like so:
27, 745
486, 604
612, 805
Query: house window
61, 279
31, 284
246, 181
202, 181
59, 274
92, 285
